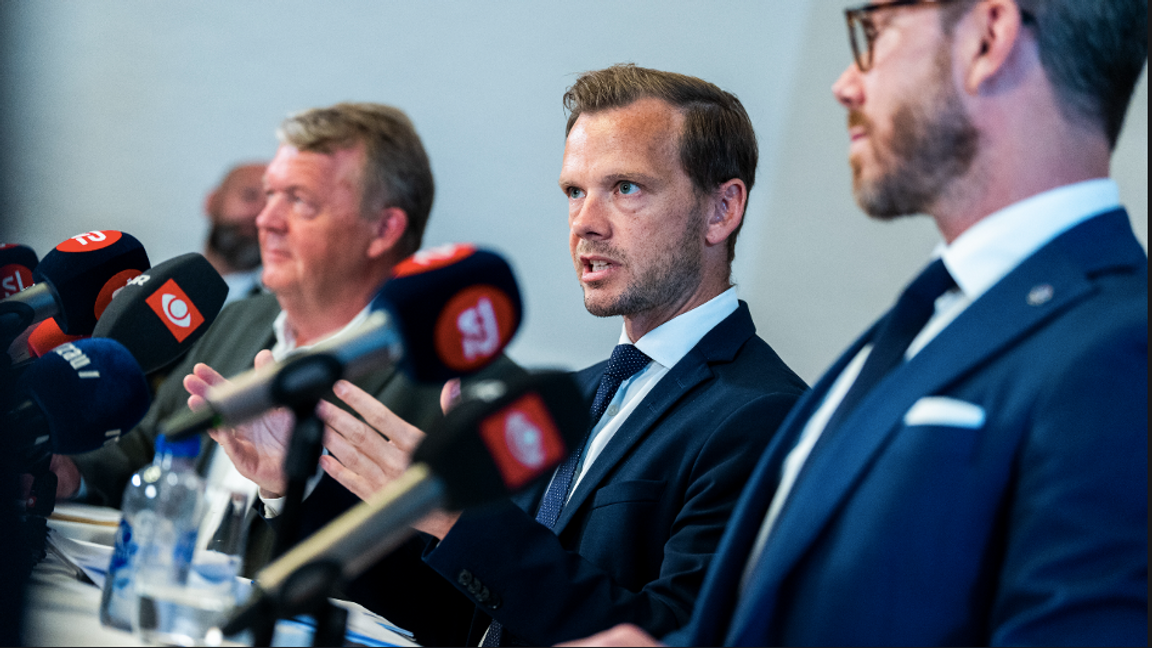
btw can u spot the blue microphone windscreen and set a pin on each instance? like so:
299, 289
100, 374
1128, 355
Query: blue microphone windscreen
89, 391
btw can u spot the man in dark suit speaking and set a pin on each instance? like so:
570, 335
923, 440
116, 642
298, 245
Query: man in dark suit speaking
973, 470
657, 170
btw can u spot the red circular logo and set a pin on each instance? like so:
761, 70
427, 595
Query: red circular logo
433, 258
14, 278
474, 326
118, 281
89, 241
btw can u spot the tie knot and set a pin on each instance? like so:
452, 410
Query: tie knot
934, 281
626, 360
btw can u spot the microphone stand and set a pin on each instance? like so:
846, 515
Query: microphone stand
300, 386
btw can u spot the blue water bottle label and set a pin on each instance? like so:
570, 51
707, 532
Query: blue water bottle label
124, 549
182, 554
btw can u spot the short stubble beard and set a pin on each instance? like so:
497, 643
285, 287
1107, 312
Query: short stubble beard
933, 143
676, 273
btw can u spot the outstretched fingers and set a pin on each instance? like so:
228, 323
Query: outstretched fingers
403, 435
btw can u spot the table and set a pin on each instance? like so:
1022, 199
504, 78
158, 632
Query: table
63, 610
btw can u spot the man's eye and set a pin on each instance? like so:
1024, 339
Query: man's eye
628, 188
573, 192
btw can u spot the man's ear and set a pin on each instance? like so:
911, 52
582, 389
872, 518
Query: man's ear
212, 203
989, 34
725, 211
390, 225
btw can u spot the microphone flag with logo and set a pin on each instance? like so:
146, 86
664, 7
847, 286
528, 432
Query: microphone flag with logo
17, 262
75, 282
503, 435
477, 310
162, 312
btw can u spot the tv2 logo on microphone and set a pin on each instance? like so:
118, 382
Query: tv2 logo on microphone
523, 440
90, 241
175, 310
433, 259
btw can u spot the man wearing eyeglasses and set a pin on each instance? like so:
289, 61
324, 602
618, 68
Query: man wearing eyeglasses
973, 470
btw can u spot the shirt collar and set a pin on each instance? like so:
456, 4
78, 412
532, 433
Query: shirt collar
995, 245
286, 342
668, 343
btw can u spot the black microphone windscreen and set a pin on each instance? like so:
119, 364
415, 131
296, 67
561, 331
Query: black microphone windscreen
17, 262
162, 312
504, 435
457, 307
89, 392
84, 272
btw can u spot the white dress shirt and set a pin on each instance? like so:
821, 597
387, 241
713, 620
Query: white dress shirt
285, 345
666, 345
977, 260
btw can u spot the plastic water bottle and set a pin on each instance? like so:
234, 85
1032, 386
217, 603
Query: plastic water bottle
157, 532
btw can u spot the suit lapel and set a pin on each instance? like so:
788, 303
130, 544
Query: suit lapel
1051, 281
719, 345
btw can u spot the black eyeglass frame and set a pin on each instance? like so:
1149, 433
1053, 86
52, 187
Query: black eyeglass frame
862, 15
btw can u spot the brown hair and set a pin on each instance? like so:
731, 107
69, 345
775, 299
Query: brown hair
396, 168
718, 142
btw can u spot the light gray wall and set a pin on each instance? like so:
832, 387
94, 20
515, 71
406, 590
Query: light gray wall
823, 271
127, 112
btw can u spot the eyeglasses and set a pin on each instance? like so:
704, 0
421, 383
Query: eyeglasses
862, 29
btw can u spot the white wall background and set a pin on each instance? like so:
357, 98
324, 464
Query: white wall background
123, 113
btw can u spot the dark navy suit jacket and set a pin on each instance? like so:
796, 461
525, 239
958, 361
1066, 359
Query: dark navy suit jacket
636, 538
916, 522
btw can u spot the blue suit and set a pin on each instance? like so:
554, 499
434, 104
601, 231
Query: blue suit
635, 539
992, 489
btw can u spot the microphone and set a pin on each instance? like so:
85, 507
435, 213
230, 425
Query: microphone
16, 265
161, 313
75, 282
444, 313
47, 336
78, 397
501, 438
456, 306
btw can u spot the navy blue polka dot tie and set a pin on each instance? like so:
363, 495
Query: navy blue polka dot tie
625, 362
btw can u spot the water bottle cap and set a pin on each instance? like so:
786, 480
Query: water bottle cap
189, 447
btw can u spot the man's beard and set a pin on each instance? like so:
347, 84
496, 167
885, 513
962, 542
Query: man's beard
238, 248
933, 143
675, 273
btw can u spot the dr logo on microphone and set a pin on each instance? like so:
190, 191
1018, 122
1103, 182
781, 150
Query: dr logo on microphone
175, 310
523, 440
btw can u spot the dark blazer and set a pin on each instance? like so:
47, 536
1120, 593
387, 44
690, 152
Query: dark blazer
634, 541
993, 489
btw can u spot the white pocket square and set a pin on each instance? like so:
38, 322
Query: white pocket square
941, 410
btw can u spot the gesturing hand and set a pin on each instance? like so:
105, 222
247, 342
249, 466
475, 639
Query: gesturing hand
257, 448
366, 456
